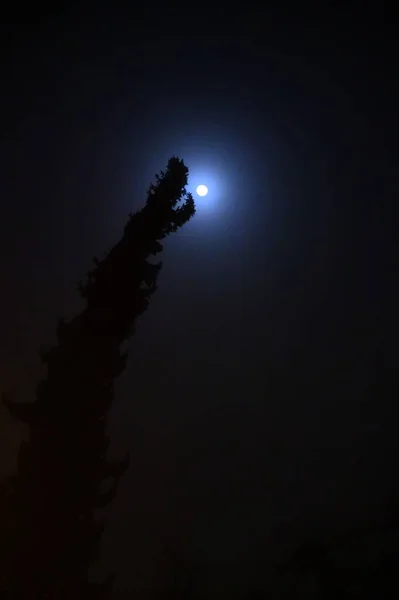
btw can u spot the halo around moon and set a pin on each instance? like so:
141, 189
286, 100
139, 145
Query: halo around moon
202, 190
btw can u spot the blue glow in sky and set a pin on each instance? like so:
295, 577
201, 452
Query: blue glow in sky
214, 180
220, 154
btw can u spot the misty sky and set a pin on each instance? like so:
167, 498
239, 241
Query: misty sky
257, 402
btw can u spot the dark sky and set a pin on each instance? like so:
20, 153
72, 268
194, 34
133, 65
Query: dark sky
259, 398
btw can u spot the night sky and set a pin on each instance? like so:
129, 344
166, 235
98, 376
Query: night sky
259, 399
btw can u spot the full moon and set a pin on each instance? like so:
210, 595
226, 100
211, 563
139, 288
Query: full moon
202, 190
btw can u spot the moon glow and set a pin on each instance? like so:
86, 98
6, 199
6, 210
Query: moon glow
202, 190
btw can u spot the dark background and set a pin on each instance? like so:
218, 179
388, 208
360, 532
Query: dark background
259, 402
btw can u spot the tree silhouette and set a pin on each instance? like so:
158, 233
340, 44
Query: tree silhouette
50, 532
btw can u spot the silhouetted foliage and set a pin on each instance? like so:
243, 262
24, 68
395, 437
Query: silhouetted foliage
50, 534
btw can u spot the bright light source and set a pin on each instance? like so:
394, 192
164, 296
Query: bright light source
202, 190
